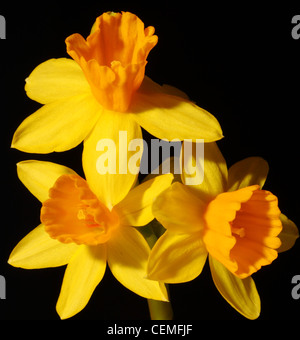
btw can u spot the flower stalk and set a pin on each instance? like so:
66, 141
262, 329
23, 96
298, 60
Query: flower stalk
159, 310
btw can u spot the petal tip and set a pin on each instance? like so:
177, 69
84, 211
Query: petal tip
18, 144
10, 261
165, 299
14, 142
13, 260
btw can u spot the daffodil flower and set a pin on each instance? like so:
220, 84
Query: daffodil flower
81, 229
106, 81
227, 217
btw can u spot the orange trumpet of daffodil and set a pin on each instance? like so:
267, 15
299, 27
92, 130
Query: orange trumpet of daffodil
106, 81
228, 217
85, 230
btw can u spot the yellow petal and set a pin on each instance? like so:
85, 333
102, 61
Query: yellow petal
241, 294
56, 79
288, 235
40, 176
83, 274
151, 87
136, 208
171, 117
169, 165
128, 254
177, 258
174, 91
213, 167
38, 250
58, 126
106, 157
249, 171
178, 209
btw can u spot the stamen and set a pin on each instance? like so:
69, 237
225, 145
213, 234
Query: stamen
81, 215
88, 218
238, 231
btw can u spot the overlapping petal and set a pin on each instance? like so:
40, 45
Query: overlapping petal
58, 126
40, 176
127, 253
106, 157
56, 79
177, 258
136, 208
170, 117
288, 235
84, 272
241, 294
211, 164
249, 171
38, 250
179, 210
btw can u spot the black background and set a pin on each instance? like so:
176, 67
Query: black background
238, 62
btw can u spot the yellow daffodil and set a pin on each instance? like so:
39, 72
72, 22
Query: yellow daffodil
104, 81
85, 231
230, 218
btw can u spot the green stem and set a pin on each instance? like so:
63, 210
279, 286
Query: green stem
160, 310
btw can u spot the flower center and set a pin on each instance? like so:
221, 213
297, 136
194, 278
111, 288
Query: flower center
74, 214
113, 57
241, 229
